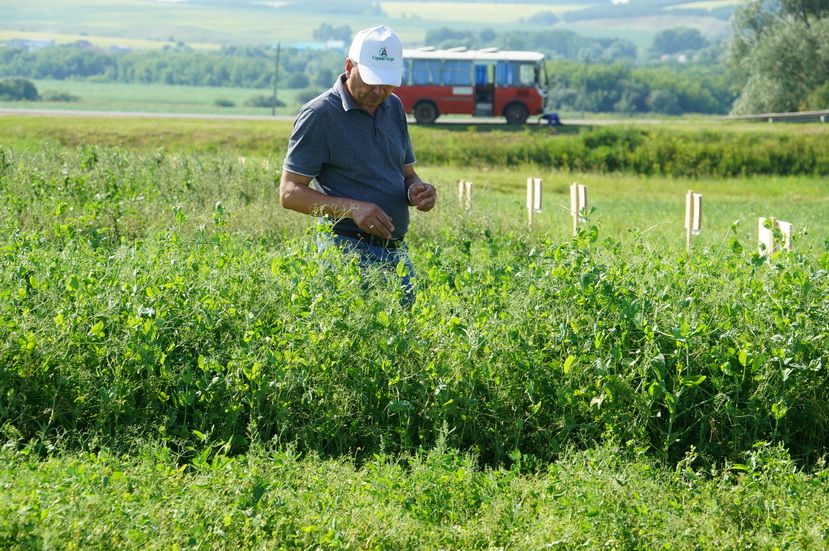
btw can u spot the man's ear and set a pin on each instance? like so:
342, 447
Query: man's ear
349, 66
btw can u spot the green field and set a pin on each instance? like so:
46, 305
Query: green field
105, 22
99, 41
155, 98
181, 366
481, 12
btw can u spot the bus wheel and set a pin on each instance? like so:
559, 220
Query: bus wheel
516, 113
425, 112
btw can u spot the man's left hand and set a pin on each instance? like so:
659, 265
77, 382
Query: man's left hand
422, 196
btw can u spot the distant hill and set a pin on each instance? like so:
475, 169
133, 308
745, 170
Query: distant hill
263, 22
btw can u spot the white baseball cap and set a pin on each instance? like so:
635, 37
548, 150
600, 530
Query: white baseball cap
379, 54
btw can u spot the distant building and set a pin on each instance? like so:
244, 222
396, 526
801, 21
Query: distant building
29, 44
338, 45
82, 45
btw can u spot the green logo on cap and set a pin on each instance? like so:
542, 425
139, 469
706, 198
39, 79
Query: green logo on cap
382, 55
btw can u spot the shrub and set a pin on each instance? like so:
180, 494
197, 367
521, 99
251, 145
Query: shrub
818, 98
18, 89
262, 100
55, 95
223, 102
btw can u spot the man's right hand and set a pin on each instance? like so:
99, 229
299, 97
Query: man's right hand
372, 219
296, 194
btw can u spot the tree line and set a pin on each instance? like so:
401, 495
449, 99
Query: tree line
246, 67
622, 88
615, 87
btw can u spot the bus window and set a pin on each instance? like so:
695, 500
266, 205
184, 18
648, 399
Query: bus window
481, 74
457, 72
505, 73
513, 73
426, 71
527, 75
405, 77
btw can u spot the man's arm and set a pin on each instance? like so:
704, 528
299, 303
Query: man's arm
420, 194
295, 193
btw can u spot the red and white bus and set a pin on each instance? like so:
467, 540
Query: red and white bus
483, 83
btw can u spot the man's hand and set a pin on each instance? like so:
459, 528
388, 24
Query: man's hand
372, 219
296, 194
422, 196
419, 193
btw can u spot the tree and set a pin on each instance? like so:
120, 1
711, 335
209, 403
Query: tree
296, 81
779, 51
663, 101
681, 39
18, 89
327, 32
817, 98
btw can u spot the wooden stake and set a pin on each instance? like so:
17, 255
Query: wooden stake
786, 229
465, 194
693, 217
766, 244
534, 186
578, 204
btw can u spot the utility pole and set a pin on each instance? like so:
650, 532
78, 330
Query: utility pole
584, 84
275, 79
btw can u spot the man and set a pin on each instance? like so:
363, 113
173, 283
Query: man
353, 142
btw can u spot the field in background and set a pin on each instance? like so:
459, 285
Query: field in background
464, 12
704, 5
96, 40
156, 98
106, 21
641, 30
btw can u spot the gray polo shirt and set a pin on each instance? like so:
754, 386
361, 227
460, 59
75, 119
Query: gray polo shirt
351, 153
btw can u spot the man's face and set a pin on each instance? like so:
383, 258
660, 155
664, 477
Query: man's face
367, 95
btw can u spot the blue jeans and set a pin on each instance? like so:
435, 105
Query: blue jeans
374, 254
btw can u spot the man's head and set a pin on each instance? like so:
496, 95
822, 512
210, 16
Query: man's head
379, 55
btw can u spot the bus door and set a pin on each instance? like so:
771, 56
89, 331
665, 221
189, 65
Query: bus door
484, 89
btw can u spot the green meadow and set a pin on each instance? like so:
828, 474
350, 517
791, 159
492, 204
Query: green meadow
156, 98
183, 364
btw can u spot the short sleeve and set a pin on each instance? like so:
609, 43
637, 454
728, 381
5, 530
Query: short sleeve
409, 158
308, 146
